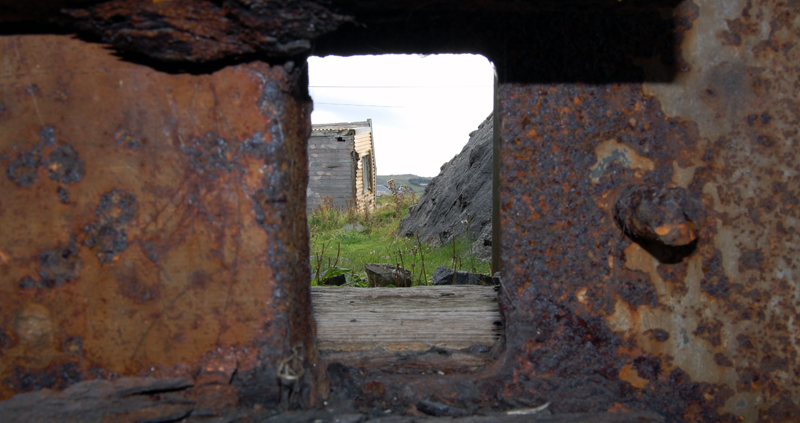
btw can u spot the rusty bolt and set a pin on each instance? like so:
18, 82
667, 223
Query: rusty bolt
657, 214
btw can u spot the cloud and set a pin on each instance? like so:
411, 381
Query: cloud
422, 107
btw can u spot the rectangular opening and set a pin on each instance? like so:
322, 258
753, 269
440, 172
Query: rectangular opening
431, 147
366, 167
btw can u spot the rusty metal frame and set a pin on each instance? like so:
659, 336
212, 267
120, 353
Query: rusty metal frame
600, 313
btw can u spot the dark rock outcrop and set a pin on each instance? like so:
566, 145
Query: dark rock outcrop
123, 400
337, 280
380, 274
459, 200
444, 276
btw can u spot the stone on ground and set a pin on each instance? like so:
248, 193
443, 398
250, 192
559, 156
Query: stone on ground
380, 274
444, 276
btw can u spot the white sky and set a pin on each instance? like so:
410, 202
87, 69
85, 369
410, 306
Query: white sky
430, 104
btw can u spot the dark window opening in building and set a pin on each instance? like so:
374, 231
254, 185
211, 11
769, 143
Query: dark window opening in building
366, 165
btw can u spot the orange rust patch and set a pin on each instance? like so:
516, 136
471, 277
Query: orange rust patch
618, 408
613, 151
581, 295
630, 375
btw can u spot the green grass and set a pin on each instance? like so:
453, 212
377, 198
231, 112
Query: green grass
349, 251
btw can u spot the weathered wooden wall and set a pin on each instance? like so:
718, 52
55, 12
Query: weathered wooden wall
336, 159
332, 171
364, 146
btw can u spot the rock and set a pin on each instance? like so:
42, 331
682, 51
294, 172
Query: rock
444, 276
459, 200
123, 400
337, 280
380, 274
310, 416
482, 248
354, 227
438, 409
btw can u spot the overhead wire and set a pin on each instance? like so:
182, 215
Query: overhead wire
399, 86
358, 105
387, 86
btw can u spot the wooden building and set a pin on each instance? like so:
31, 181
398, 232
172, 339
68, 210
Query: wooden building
341, 165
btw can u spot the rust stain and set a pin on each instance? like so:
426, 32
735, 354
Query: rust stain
612, 151
155, 255
594, 319
637, 300
199, 31
630, 375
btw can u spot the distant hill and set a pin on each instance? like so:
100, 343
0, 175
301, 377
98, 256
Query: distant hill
416, 183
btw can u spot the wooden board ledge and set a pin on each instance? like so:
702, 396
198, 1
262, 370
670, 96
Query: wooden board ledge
405, 319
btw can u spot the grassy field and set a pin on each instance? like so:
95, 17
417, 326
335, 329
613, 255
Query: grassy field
337, 251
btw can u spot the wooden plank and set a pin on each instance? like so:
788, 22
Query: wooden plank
331, 175
363, 143
540, 417
317, 154
342, 193
331, 133
331, 191
324, 181
445, 361
341, 155
330, 180
443, 413
405, 319
322, 148
328, 162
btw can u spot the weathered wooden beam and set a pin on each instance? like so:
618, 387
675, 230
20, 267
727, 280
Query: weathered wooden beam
546, 417
405, 319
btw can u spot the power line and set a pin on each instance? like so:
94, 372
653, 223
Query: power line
358, 105
399, 86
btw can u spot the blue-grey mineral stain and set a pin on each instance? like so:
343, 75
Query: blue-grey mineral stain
47, 136
59, 266
210, 153
106, 241
107, 238
63, 195
65, 165
117, 207
29, 283
24, 170
124, 139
